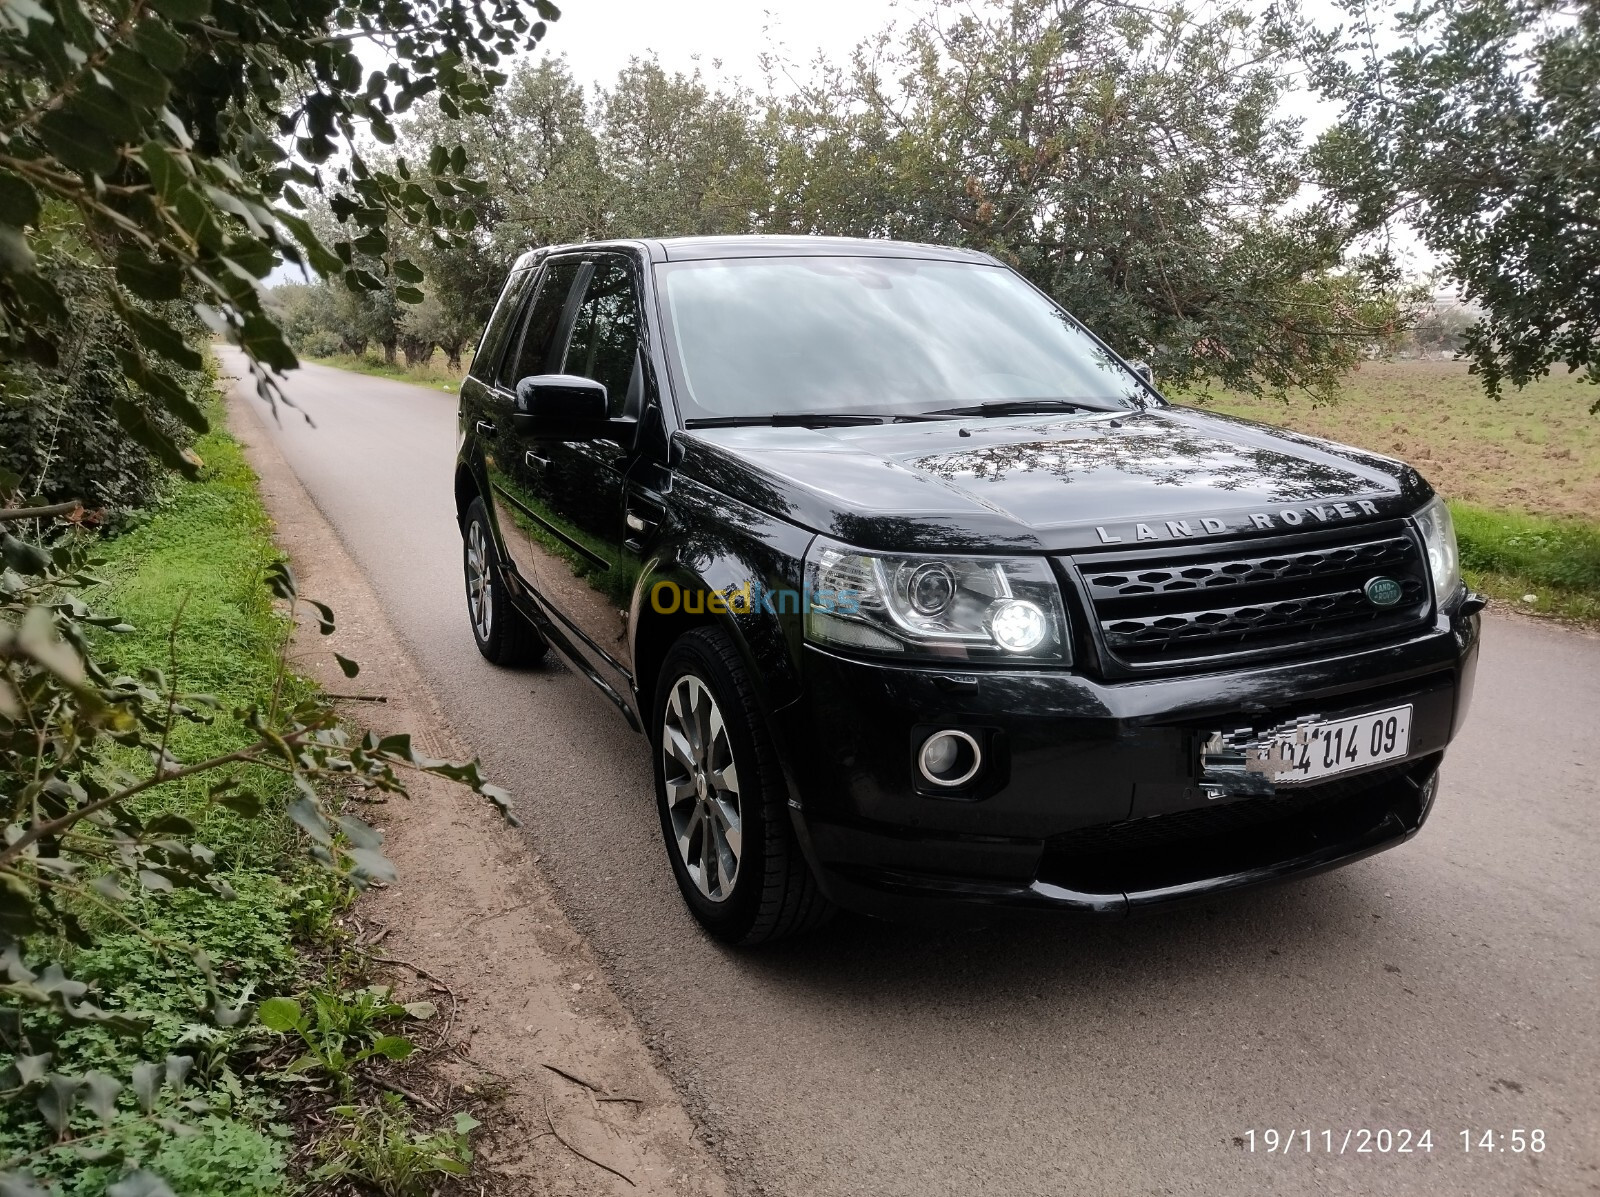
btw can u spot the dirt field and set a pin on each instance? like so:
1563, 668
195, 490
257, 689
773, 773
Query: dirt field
1536, 451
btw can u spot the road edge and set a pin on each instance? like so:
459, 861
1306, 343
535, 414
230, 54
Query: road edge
586, 1109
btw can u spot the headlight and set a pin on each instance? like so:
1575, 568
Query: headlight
962, 608
1439, 537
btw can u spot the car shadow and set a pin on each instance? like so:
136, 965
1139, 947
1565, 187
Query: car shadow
1257, 933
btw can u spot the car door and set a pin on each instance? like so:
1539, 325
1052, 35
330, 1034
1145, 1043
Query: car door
508, 475
576, 490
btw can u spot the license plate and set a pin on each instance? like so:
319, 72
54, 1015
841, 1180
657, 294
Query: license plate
1316, 748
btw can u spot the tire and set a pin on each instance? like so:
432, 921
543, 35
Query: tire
503, 634
706, 718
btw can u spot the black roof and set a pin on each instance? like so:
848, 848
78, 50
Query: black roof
692, 249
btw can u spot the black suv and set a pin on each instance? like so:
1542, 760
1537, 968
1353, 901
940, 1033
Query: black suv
921, 593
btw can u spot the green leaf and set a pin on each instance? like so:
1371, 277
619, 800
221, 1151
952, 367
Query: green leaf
466, 1123
140, 1183
135, 421
160, 337
243, 803
79, 144
392, 1047
135, 79
177, 1069
422, 1011
166, 173
350, 668
408, 295
160, 385
407, 271
19, 204
371, 865
102, 1095
149, 278
279, 1014
164, 49
56, 1101
145, 1081
310, 819
358, 833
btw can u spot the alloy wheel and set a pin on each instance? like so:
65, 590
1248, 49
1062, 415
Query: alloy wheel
480, 594
702, 788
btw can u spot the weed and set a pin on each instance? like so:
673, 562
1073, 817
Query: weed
341, 1030
380, 1146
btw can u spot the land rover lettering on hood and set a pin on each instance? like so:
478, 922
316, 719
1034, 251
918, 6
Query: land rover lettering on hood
925, 599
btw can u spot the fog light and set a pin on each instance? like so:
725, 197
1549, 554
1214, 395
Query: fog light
1017, 625
949, 758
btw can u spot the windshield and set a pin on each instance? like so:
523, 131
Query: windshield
890, 336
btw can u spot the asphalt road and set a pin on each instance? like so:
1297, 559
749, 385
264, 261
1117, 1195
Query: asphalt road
1450, 985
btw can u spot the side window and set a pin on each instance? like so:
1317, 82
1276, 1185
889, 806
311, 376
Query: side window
490, 349
544, 317
605, 335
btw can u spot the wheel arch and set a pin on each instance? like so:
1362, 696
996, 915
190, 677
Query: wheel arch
467, 489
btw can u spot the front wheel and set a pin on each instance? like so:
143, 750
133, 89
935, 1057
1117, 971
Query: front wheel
503, 635
722, 799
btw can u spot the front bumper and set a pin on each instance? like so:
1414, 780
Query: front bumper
1091, 797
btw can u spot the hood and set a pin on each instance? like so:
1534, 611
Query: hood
1049, 484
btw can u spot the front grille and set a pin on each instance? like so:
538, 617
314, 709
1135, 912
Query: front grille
1197, 602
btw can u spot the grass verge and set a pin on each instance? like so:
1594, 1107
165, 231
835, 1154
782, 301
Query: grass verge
434, 373
189, 577
1535, 563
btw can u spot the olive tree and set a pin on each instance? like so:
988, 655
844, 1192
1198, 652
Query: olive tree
1481, 129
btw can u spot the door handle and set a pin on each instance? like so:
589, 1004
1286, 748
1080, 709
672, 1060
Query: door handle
533, 461
485, 428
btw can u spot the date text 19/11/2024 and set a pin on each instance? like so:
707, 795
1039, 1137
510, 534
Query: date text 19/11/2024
1389, 1141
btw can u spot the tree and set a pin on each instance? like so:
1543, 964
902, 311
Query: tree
182, 137
1132, 161
1483, 132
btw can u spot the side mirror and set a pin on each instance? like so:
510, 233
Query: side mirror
1143, 370
566, 407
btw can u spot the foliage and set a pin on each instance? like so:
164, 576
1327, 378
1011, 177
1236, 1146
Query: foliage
183, 136
1483, 131
63, 443
381, 1147
340, 1031
1514, 555
139, 913
1131, 161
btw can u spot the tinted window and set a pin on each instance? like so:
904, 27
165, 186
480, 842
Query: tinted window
494, 336
753, 336
544, 318
605, 334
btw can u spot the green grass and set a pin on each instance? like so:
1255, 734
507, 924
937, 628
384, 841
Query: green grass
202, 552
1522, 473
434, 374
1511, 556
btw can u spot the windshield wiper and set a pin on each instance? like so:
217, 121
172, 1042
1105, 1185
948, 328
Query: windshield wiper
1016, 407
802, 419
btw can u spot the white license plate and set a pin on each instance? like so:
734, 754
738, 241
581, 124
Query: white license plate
1318, 748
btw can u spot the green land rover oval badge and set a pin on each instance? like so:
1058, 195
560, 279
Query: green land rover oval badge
1382, 592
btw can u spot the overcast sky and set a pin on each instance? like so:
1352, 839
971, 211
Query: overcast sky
599, 36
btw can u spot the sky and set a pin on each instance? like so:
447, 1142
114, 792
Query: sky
599, 36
